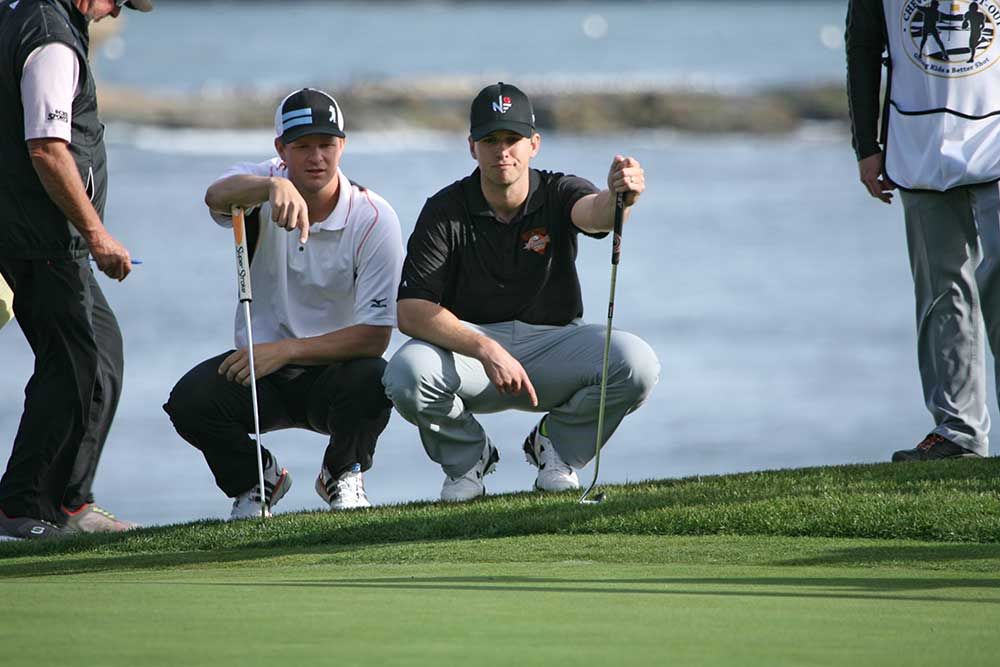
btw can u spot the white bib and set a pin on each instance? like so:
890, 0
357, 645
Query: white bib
944, 95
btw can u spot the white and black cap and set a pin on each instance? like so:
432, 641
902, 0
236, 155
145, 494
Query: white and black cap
307, 111
501, 107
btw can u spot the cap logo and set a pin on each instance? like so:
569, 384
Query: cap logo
296, 118
502, 104
333, 114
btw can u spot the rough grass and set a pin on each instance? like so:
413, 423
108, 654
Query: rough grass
943, 501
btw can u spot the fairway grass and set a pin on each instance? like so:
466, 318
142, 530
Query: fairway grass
754, 569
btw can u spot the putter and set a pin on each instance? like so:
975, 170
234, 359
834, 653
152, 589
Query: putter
616, 255
243, 283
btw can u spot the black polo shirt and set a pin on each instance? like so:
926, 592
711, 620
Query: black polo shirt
484, 270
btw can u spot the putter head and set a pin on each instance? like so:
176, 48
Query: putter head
597, 499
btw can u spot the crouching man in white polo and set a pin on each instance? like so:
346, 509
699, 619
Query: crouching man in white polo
323, 313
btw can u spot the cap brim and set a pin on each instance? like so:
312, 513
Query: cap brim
294, 133
140, 5
481, 131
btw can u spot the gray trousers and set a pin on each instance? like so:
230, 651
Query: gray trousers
439, 391
954, 245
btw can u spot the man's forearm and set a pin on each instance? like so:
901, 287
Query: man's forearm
60, 177
596, 213
353, 342
240, 190
437, 325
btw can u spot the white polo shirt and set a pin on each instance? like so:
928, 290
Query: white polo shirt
346, 274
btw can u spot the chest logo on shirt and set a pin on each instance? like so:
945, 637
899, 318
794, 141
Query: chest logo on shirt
535, 240
951, 38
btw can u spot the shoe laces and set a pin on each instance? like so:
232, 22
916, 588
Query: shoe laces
930, 441
352, 484
103, 512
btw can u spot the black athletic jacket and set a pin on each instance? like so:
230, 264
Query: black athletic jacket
866, 40
31, 225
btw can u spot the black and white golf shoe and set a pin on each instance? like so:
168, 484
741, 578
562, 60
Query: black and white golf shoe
277, 481
346, 492
471, 485
554, 474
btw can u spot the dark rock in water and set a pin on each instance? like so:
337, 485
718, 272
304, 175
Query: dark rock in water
444, 106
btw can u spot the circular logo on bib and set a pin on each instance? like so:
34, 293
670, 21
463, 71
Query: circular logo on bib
952, 38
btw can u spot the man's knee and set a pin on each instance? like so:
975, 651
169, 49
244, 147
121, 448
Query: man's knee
638, 364
191, 399
413, 378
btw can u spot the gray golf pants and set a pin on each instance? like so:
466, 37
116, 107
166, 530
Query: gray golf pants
439, 391
954, 245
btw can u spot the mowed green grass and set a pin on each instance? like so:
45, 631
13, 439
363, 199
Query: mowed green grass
859, 565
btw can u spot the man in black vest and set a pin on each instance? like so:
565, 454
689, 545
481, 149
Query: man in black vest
53, 184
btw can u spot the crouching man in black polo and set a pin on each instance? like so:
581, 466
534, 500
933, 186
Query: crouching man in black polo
490, 295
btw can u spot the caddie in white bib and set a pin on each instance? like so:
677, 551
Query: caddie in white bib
944, 93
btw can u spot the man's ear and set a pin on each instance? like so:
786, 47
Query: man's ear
472, 148
280, 148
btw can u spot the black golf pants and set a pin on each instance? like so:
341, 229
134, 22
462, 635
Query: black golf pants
344, 400
71, 398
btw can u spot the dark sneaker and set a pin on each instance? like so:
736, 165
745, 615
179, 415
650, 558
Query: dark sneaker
26, 528
932, 447
90, 518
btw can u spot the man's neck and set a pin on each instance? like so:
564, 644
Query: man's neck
322, 203
505, 201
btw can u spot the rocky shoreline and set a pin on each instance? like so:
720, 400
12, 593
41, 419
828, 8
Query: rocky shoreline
443, 105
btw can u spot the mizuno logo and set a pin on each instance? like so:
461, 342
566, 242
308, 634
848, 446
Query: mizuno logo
378, 303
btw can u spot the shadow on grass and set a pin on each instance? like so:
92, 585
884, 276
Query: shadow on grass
847, 588
905, 554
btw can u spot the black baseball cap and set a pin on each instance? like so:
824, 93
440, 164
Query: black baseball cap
140, 5
307, 111
501, 107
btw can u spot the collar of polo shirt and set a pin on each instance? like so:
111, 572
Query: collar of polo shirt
338, 218
479, 206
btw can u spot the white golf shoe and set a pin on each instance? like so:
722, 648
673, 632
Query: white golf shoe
277, 481
554, 474
346, 492
471, 485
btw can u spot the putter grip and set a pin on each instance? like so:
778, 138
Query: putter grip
616, 248
242, 256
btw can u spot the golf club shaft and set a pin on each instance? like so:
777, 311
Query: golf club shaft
246, 296
616, 253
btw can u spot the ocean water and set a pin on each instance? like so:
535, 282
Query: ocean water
730, 44
775, 292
